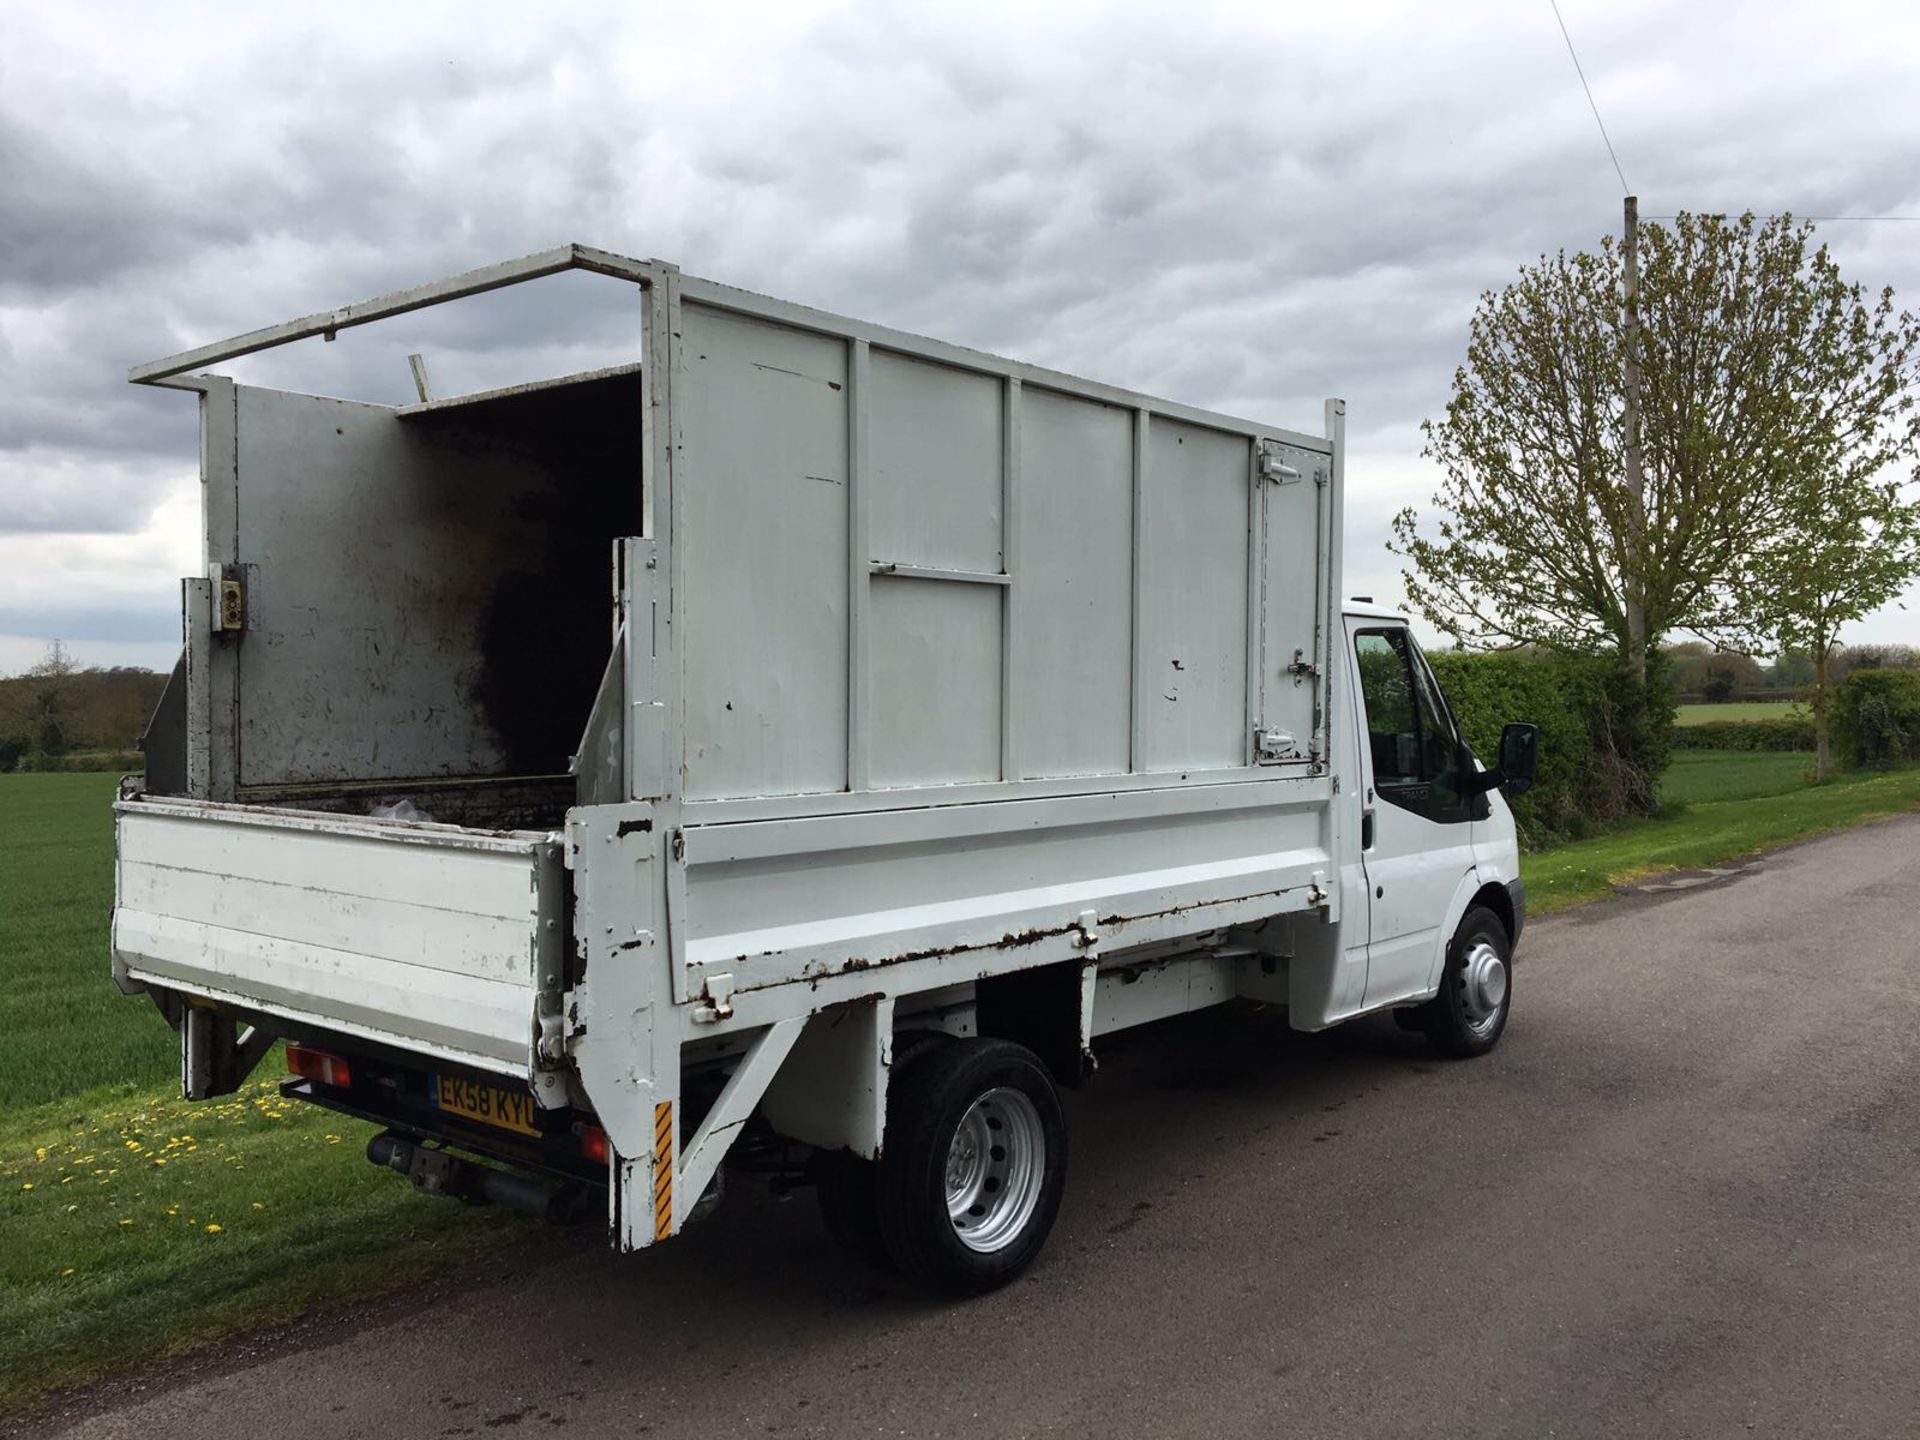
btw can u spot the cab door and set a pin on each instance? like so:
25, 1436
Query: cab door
1415, 830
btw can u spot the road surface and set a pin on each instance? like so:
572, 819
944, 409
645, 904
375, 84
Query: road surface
1682, 1198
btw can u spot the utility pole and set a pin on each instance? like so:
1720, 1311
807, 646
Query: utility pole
1633, 566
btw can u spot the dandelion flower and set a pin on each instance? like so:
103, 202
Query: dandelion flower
27, 1186
213, 1229
258, 1206
66, 1272
125, 1220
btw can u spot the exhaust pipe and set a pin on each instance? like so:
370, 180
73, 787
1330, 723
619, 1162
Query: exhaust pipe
436, 1172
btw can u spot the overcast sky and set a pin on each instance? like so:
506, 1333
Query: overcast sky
1243, 208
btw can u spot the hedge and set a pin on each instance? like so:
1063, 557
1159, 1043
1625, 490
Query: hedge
1582, 781
1794, 733
1876, 718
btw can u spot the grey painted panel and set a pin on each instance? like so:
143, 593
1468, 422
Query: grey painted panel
1291, 584
428, 595
936, 681
935, 456
763, 485
1073, 621
1193, 614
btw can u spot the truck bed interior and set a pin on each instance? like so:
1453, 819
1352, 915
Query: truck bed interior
428, 597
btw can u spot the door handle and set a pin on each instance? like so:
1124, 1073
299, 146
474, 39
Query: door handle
1366, 829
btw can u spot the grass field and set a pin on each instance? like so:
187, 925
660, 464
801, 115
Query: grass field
1695, 776
68, 1028
137, 1226
1739, 710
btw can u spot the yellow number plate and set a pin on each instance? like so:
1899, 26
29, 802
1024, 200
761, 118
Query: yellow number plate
488, 1104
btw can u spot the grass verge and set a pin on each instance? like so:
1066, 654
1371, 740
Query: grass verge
1709, 833
140, 1227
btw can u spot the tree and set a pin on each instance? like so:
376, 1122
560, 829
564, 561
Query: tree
1854, 545
1754, 354
53, 673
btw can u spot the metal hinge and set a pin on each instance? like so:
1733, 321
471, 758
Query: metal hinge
1270, 747
1273, 466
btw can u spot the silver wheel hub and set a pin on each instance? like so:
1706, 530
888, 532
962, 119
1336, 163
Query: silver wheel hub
996, 1167
1483, 986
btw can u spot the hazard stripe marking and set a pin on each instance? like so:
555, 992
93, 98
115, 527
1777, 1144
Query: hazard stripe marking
663, 1170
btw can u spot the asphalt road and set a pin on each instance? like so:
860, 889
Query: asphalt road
1682, 1199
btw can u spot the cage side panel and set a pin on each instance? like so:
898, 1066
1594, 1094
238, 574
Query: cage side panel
1193, 630
1291, 586
426, 595
763, 477
1073, 695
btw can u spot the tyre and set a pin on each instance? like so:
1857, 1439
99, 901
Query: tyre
1469, 1014
974, 1166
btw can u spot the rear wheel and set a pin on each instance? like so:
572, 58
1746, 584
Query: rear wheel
974, 1166
1469, 1014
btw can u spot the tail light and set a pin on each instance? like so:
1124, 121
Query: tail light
319, 1066
593, 1144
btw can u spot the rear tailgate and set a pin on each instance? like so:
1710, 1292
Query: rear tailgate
425, 936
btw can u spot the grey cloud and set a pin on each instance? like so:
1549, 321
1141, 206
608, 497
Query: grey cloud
1243, 210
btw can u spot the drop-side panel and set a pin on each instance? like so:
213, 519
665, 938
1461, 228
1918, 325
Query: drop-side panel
762, 478
945, 882
416, 935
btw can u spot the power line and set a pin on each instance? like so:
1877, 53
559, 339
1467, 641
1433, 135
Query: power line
1625, 189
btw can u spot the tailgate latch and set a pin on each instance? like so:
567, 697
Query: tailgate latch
716, 1001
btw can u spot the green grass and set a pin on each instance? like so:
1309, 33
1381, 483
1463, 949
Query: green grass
1709, 833
1704, 775
108, 1185
1739, 710
139, 1227
68, 1028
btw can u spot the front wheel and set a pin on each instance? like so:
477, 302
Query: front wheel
1469, 1014
974, 1166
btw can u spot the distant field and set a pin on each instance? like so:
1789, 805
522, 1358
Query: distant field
1698, 776
1740, 710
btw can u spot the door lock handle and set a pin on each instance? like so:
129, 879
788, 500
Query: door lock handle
1366, 829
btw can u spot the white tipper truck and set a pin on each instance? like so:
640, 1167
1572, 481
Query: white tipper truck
796, 748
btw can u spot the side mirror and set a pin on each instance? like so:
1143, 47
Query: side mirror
1519, 757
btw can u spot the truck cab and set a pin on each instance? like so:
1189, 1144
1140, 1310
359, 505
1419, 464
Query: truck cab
1436, 839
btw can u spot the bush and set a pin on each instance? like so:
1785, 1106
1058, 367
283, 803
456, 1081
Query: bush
1876, 718
1585, 778
125, 761
12, 747
1790, 733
